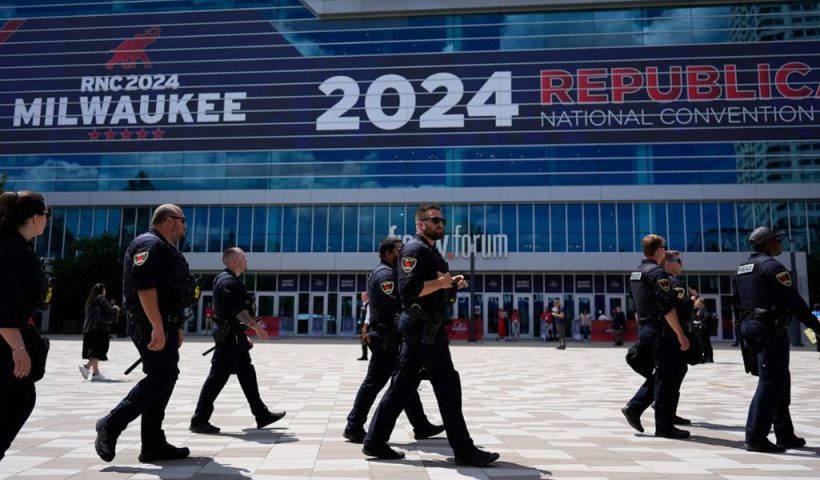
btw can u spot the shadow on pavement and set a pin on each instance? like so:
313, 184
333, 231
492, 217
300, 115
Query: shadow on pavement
715, 426
205, 467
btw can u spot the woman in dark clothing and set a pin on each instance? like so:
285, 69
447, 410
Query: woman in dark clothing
99, 314
23, 216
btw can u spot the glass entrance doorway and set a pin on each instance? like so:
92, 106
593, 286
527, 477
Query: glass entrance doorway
492, 302
347, 316
286, 311
523, 310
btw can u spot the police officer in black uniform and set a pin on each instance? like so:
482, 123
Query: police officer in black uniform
157, 286
23, 216
660, 336
384, 342
765, 300
427, 290
232, 317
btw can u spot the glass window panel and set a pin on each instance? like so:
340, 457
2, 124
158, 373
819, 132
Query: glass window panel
305, 227
100, 221
745, 223
229, 220
382, 228
609, 234
186, 243
72, 220
260, 221
728, 227
319, 229
642, 224
575, 227
525, 228
558, 227
215, 229
351, 233
780, 221
626, 234
335, 219
129, 228
114, 220
457, 220
763, 214
813, 212
366, 228
86, 225
55, 247
677, 234
694, 235
592, 235
711, 240
244, 228
797, 222
542, 227
290, 225
492, 218
274, 239
397, 214
509, 225
200, 233
476, 219
659, 220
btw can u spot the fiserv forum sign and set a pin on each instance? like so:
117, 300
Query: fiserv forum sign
225, 81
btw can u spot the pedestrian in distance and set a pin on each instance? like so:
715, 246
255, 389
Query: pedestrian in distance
766, 300
384, 343
234, 314
157, 287
23, 216
99, 316
364, 322
427, 290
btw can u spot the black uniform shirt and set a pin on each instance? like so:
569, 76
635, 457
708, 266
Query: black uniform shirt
419, 262
763, 282
652, 291
151, 262
230, 296
383, 293
683, 303
21, 281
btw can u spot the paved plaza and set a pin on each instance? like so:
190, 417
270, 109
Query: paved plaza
549, 413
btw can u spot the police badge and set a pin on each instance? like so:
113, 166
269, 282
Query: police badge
408, 264
140, 258
785, 278
388, 286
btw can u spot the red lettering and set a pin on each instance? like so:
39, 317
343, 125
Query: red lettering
653, 84
556, 83
732, 90
587, 84
702, 83
764, 81
625, 80
781, 80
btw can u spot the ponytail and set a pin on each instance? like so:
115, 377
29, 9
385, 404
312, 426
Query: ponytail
17, 208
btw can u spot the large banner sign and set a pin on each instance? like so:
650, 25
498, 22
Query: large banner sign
228, 81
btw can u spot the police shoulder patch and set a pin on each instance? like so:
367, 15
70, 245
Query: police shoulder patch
388, 286
681, 292
665, 284
408, 264
785, 278
140, 258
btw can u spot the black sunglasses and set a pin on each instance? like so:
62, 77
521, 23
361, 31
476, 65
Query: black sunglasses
435, 220
46, 213
676, 260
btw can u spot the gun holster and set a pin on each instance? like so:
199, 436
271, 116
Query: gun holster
431, 322
223, 330
138, 326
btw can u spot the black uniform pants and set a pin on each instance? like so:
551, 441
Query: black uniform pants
150, 396
770, 404
663, 386
705, 337
17, 397
438, 367
383, 364
231, 356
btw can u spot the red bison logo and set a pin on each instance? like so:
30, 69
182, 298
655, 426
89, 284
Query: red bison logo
132, 50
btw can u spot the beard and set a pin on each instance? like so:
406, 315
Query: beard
434, 233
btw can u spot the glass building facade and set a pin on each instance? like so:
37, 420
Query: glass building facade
305, 139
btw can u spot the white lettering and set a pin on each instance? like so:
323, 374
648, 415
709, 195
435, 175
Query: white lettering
29, 115
230, 106
204, 105
94, 108
124, 111
62, 114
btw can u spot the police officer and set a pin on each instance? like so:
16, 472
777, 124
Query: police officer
157, 286
426, 289
660, 336
23, 216
384, 342
232, 307
765, 300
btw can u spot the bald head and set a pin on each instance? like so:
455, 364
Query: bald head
235, 260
